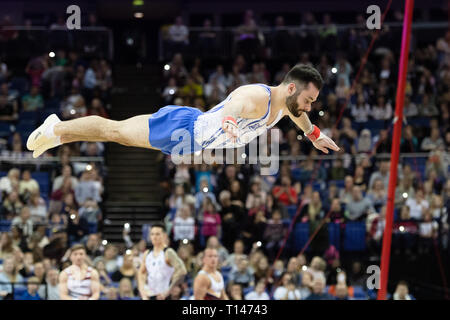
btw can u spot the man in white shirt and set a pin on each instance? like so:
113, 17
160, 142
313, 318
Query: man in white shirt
51, 292
66, 173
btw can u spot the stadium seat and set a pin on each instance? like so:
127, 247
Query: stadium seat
43, 179
226, 269
5, 129
248, 290
19, 291
301, 235
292, 211
29, 115
359, 293
334, 234
355, 236
5, 225
93, 227
340, 184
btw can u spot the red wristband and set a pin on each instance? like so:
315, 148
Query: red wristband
314, 135
229, 118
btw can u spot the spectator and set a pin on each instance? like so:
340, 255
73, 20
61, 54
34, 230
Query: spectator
285, 193
287, 290
9, 274
361, 110
417, 205
50, 291
428, 108
32, 290
317, 267
262, 270
360, 178
27, 185
235, 291
318, 287
382, 110
242, 275
7, 247
428, 232
336, 211
342, 291
97, 109
259, 292
24, 222
178, 35
382, 173
274, 234
211, 222
12, 206
337, 171
32, 101
170, 91
346, 194
66, 174
306, 284
77, 227
213, 242
38, 208
433, 142
87, 188
237, 254
207, 39
377, 194
409, 108
402, 291
359, 207
105, 279
184, 224
127, 270
39, 272
7, 182
125, 289
205, 191
90, 211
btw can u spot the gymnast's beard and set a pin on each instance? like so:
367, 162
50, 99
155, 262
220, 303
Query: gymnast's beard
292, 105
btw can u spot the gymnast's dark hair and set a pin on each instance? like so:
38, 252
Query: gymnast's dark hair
159, 225
304, 74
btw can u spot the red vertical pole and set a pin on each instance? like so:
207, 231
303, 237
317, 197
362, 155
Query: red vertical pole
401, 83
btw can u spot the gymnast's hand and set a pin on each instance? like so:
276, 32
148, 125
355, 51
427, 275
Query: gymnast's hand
229, 125
324, 142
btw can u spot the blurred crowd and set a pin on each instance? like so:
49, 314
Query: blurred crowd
233, 208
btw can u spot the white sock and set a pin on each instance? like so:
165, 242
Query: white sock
50, 133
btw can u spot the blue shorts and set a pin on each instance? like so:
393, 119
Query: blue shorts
171, 128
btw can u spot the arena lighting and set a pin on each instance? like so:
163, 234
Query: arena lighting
72, 111
243, 156
205, 189
126, 225
72, 216
185, 241
401, 228
104, 242
171, 91
128, 251
88, 167
51, 54
138, 15
259, 244
333, 70
130, 41
321, 113
166, 67
304, 268
405, 195
299, 137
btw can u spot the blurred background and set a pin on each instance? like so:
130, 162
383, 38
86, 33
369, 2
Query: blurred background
318, 216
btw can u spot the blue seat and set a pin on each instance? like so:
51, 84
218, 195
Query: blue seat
43, 179
29, 115
355, 236
340, 184
359, 293
5, 225
334, 234
93, 227
145, 231
292, 210
5, 129
53, 103
226, 269
19, 291
248, 290
301, 236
